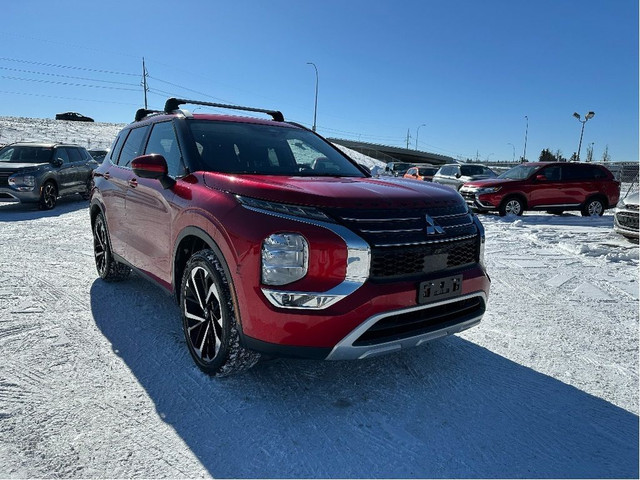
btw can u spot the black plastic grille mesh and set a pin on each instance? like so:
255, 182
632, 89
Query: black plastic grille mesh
628, 219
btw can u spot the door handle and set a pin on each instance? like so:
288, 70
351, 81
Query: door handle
133, 183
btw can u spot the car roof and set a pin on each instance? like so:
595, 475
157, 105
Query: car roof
153, 118
42, 144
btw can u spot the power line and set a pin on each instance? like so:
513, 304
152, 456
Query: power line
189, 89
68, 84
66, 98
67, 66
67, 76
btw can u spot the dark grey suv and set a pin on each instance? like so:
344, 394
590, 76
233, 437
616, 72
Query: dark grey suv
42, 172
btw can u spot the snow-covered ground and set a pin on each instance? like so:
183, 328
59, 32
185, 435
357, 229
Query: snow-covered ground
96, 380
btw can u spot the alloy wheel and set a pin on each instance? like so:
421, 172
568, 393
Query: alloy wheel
513, 207
203, 313
100, 246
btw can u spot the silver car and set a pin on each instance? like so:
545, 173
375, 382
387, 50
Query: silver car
457, 174
625, 217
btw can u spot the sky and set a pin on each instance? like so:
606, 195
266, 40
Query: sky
461, 78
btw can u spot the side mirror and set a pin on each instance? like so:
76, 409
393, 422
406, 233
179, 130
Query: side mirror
57, 162
541, 178
458, 175
153, 166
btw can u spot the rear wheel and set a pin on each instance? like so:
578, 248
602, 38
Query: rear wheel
593, 208
210, 320
511, 206
108, 269
48, 196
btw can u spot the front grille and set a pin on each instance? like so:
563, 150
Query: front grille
4, 179
627, 220
419, 322
389, 263
410, 242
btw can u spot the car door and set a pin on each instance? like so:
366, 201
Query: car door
150, 210
64, 170
549, 189
76, 162
118, 178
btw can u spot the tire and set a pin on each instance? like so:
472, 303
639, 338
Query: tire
593, 207
48, 196
511, 206
210, 320
109, 269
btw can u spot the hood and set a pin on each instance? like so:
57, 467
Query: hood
489, 182
14, 167
468, 178
631, 199
346, 192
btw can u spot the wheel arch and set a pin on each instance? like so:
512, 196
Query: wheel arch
189, 241
597, 196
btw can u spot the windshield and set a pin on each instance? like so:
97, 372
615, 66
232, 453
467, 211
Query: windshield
230, 147
473, 170
518, 173
26, 154
428, 171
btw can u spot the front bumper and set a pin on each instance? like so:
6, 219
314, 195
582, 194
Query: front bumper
8, 195
625, 222
482, 203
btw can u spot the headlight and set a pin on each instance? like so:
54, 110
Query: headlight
284, 208
285, 258
22, 182
482, 191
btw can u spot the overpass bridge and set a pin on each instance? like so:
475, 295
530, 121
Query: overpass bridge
387, 154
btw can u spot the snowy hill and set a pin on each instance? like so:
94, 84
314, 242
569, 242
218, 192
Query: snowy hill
100, 135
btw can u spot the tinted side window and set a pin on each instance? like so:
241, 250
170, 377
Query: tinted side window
552, 173
163, 141
132, 147
114, 153
74, 154
61, 153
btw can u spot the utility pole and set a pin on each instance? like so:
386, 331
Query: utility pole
408, 137
145, 74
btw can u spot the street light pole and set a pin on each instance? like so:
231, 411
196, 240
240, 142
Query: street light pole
514, 151
526, 132
315, 109
588, 116
418, 131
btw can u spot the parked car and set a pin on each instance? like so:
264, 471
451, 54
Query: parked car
73, 116
98, 155
625, 217
42, 172
397, 169
273, 241
554, 187
457, 174
423, 172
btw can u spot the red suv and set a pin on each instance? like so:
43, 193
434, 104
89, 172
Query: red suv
554, 187
273, 241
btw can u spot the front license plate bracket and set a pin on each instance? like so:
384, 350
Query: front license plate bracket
439, 289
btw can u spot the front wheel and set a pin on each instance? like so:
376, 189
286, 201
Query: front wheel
48, 196
511, 206
593, 208
209, 318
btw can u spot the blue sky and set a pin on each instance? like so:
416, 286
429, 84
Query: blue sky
469, 70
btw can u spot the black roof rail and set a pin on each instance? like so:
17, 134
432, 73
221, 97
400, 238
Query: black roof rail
143, 112
174, 104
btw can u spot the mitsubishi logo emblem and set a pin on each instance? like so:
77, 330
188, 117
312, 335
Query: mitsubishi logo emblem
432, 227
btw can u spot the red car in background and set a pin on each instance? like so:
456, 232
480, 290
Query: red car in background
554, 187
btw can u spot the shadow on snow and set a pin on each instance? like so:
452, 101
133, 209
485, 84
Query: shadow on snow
449, 409
15, 212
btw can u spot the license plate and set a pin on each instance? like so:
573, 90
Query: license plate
439, 289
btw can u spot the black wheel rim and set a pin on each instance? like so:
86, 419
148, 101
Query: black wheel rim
203, 314
100, 246
49, 195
